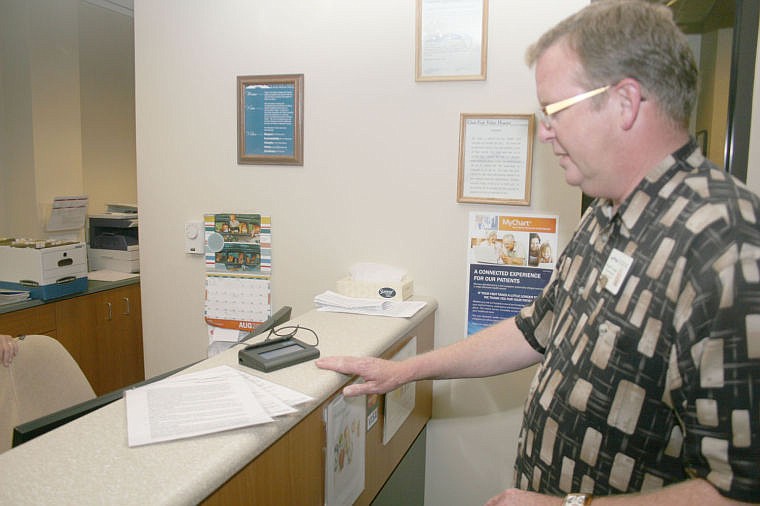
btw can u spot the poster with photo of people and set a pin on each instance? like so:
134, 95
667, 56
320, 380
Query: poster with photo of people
238, 243
510, 259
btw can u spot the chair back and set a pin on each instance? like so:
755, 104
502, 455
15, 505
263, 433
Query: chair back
42, 379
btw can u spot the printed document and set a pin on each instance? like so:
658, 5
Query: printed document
205, 402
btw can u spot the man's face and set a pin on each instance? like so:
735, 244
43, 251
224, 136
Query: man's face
580, 134
509, 242
534, 244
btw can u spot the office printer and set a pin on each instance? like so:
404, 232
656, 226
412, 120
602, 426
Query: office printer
114, 239
46, 268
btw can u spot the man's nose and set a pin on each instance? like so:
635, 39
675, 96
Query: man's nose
545, 133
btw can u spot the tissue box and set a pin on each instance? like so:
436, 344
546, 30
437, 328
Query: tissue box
394, 290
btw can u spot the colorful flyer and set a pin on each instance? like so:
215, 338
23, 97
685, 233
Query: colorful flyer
510, 260
345, 454
238, 243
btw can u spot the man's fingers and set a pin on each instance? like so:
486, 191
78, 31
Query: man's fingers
355, 389
339, 364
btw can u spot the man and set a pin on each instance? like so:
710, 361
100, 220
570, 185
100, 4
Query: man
488, 250
648, 387
8, 349
510, 253
534, 249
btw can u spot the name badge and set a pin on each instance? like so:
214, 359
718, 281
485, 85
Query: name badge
615, 271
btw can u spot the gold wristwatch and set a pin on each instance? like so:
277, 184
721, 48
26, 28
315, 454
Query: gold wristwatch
575, 499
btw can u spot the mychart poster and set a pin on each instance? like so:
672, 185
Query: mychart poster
510, 260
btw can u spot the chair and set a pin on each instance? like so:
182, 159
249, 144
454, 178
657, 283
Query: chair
42, 379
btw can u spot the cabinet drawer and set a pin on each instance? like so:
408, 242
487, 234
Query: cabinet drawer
34, 320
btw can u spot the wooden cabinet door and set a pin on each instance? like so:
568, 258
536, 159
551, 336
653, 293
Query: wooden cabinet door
120, 347
77, 332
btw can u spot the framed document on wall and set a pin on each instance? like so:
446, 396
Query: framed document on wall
451, 40
495, 158
270, 119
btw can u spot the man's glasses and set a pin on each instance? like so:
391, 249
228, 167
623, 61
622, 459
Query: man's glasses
546, 112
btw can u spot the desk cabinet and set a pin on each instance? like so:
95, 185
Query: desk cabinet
119, 331
101, 330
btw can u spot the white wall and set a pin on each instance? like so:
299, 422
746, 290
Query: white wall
107, 74
67, 103
378, 182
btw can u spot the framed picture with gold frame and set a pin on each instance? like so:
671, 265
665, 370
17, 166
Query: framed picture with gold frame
451, 40
495, 158
270, 119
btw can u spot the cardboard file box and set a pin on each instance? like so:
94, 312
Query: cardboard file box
47, 272
33, 266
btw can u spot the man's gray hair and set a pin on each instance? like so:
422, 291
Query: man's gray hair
618, 39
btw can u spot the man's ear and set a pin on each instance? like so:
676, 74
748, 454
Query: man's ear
629, 94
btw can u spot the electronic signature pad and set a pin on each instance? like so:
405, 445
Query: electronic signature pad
275, 354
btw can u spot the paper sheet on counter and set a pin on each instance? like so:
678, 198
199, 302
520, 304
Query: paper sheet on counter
106, 275
214, 400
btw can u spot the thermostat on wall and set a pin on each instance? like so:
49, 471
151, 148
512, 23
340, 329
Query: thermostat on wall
194, 237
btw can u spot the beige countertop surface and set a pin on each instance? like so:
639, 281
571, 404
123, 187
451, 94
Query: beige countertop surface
88, 461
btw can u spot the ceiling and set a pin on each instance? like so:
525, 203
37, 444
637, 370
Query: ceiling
701, 16
693, 16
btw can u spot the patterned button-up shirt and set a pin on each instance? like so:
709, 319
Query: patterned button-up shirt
650, 330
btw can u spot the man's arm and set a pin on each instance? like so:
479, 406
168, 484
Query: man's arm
686, 493
497, 349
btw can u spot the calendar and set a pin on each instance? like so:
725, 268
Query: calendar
238, 254
237, 302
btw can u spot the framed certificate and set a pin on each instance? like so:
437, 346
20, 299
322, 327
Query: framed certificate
270, 119
495, 158
451, 40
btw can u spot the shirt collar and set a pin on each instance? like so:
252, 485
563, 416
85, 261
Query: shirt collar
685, 158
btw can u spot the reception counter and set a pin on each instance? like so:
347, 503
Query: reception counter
88, 461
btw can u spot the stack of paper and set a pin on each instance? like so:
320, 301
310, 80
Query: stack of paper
205, 402
331, 301
11, 296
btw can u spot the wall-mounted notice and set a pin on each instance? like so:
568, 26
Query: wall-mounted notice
451, 40
270, 119
510, 260
495, 158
